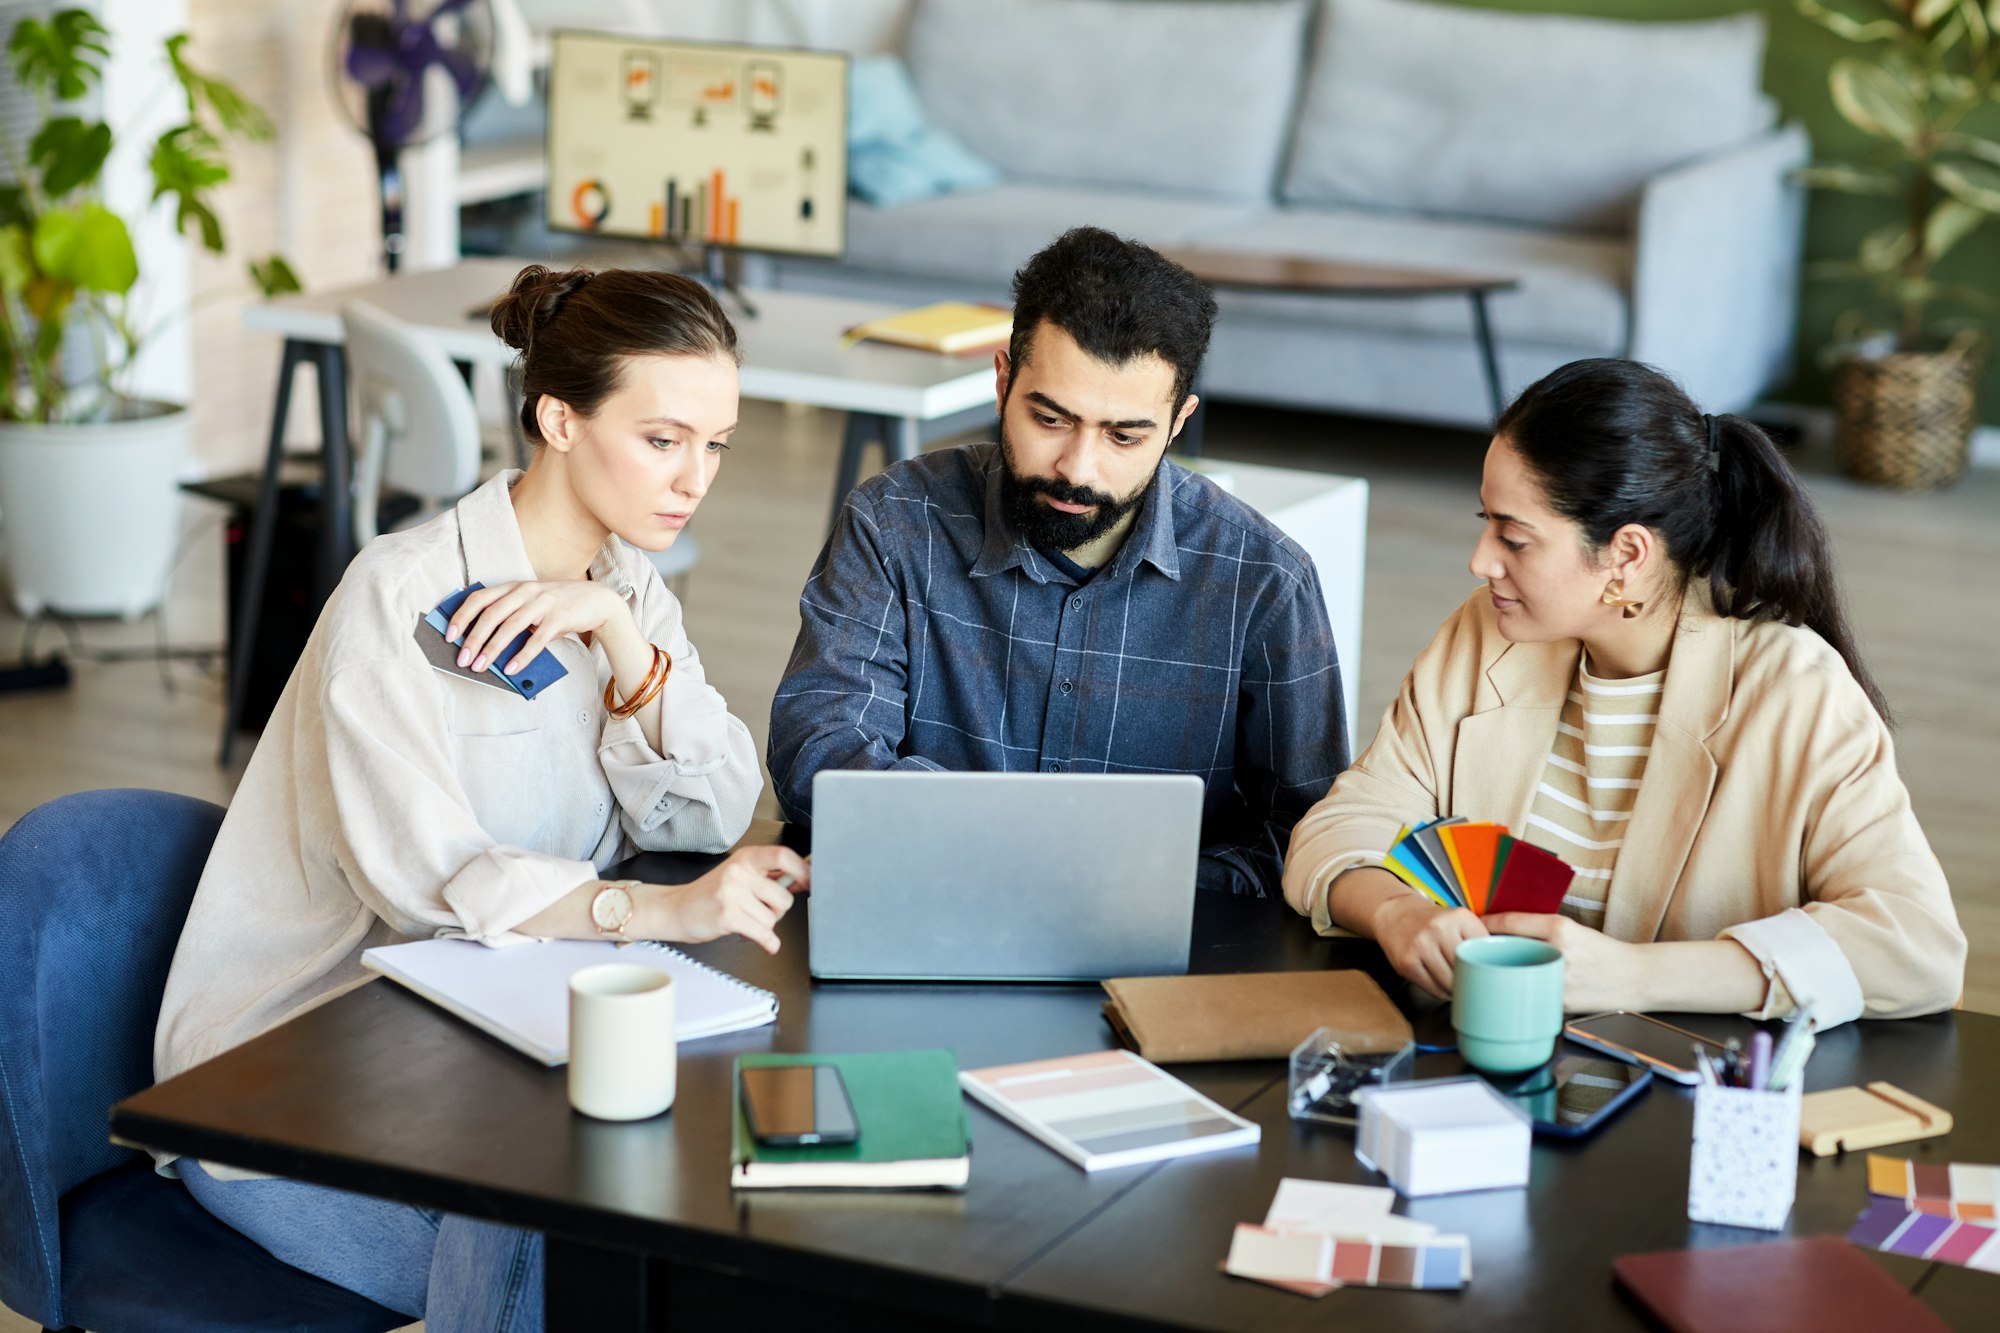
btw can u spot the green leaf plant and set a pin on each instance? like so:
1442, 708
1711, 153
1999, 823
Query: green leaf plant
67, 260
1924, 73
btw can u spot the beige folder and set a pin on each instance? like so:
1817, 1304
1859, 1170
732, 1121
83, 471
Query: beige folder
1249, 1015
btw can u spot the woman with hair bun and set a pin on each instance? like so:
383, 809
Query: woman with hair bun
391, 799
1657, 684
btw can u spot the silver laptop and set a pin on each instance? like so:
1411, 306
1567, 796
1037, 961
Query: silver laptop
1002, 876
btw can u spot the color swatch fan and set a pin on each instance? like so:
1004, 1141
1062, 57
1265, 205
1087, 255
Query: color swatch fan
1481, 867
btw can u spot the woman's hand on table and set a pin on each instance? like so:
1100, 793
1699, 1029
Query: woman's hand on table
1598, 972
488, 619
1420, 939
742, 896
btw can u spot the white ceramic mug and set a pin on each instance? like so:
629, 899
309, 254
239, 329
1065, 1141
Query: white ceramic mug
621, 1041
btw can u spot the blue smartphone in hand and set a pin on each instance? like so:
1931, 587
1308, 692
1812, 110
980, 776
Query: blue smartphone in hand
532, 679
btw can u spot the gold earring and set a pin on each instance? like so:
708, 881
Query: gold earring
1614, 595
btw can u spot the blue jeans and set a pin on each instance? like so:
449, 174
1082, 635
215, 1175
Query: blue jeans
455, 1274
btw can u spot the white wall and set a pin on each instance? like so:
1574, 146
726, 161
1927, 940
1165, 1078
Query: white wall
310, 196
862, 27
140, 101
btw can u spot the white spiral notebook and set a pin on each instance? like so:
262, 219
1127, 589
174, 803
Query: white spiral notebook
521, 994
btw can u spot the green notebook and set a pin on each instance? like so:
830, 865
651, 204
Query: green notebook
912, 1121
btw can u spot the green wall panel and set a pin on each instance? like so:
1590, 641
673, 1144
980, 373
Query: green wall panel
1795, 70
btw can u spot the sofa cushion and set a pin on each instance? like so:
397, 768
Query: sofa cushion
1525, 117
979, 237
894, 154
1573, 286
1190, 95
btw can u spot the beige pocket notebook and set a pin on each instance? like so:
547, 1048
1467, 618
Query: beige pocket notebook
1849, 1119
1248, 1015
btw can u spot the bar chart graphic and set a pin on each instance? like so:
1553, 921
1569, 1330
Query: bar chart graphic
707, 213
698, 143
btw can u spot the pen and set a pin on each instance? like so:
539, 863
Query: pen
1706, 1066
1760, 1060
1732, 1063
1794, 1063
1789, 1056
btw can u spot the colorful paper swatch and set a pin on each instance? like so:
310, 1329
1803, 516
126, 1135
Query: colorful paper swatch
1532, 881
1957, 1190
1278, 1256
1475, 846
1107, 1108
1314, 1265
1890, 1226
1444, 1264
1477, 866
1319, 1236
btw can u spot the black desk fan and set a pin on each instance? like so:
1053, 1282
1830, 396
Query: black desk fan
383, 52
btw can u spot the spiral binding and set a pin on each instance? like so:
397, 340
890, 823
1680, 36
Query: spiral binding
696, 963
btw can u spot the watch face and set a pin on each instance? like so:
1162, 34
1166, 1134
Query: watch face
611, 908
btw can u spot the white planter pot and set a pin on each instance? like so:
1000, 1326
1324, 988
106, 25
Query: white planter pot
91, 514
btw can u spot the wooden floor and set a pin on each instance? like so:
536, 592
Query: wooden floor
1919, 570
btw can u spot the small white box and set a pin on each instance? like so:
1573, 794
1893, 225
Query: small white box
1443, 1136
1744, 1170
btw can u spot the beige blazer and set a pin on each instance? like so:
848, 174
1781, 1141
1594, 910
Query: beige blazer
1770, 813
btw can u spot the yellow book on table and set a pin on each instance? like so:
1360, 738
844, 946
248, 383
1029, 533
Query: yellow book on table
948, 326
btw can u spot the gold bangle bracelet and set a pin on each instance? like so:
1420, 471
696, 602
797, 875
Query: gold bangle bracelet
649, 689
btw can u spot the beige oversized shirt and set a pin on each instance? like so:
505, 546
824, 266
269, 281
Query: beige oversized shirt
389, 801
1770, 813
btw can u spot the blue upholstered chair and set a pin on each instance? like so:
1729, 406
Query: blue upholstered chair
93, 891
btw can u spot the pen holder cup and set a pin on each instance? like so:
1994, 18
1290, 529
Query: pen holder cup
1744, 1170
1333, 1064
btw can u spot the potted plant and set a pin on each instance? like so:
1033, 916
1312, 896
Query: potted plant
1906, 389
88, 472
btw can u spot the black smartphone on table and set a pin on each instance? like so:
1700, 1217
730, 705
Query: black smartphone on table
1577, 1092
795, 1106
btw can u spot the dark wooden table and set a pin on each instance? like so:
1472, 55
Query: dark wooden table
381, 1093
1303, 275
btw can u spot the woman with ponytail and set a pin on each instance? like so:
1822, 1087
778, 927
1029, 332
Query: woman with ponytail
392, 797
1659, 685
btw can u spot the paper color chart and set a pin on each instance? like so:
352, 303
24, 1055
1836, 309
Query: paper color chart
1319, 1236
1943, 1189
1889, 1225
1431, 1266
697, 143
1108, 1108
1444, 1264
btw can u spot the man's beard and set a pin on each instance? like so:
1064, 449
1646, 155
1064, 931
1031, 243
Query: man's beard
1051, 529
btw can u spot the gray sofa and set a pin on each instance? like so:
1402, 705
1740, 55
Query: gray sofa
1632, 176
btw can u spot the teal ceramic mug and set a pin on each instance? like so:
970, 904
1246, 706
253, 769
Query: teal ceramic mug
1507, 1002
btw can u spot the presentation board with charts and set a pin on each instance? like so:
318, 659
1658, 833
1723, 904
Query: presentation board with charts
698, 143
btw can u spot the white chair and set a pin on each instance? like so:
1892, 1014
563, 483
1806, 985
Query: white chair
419, 428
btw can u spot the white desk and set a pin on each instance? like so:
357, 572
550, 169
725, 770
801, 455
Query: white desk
792, 352
1328, 516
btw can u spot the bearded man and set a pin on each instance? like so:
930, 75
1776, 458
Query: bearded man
1066, 600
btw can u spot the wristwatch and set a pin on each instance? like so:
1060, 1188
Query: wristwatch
612, 908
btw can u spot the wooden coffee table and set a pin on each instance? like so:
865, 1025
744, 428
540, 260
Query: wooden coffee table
1298, 275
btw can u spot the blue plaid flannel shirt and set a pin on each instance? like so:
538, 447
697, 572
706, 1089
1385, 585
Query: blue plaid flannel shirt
934, 636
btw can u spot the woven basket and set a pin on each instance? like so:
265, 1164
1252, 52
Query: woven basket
1906, 419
